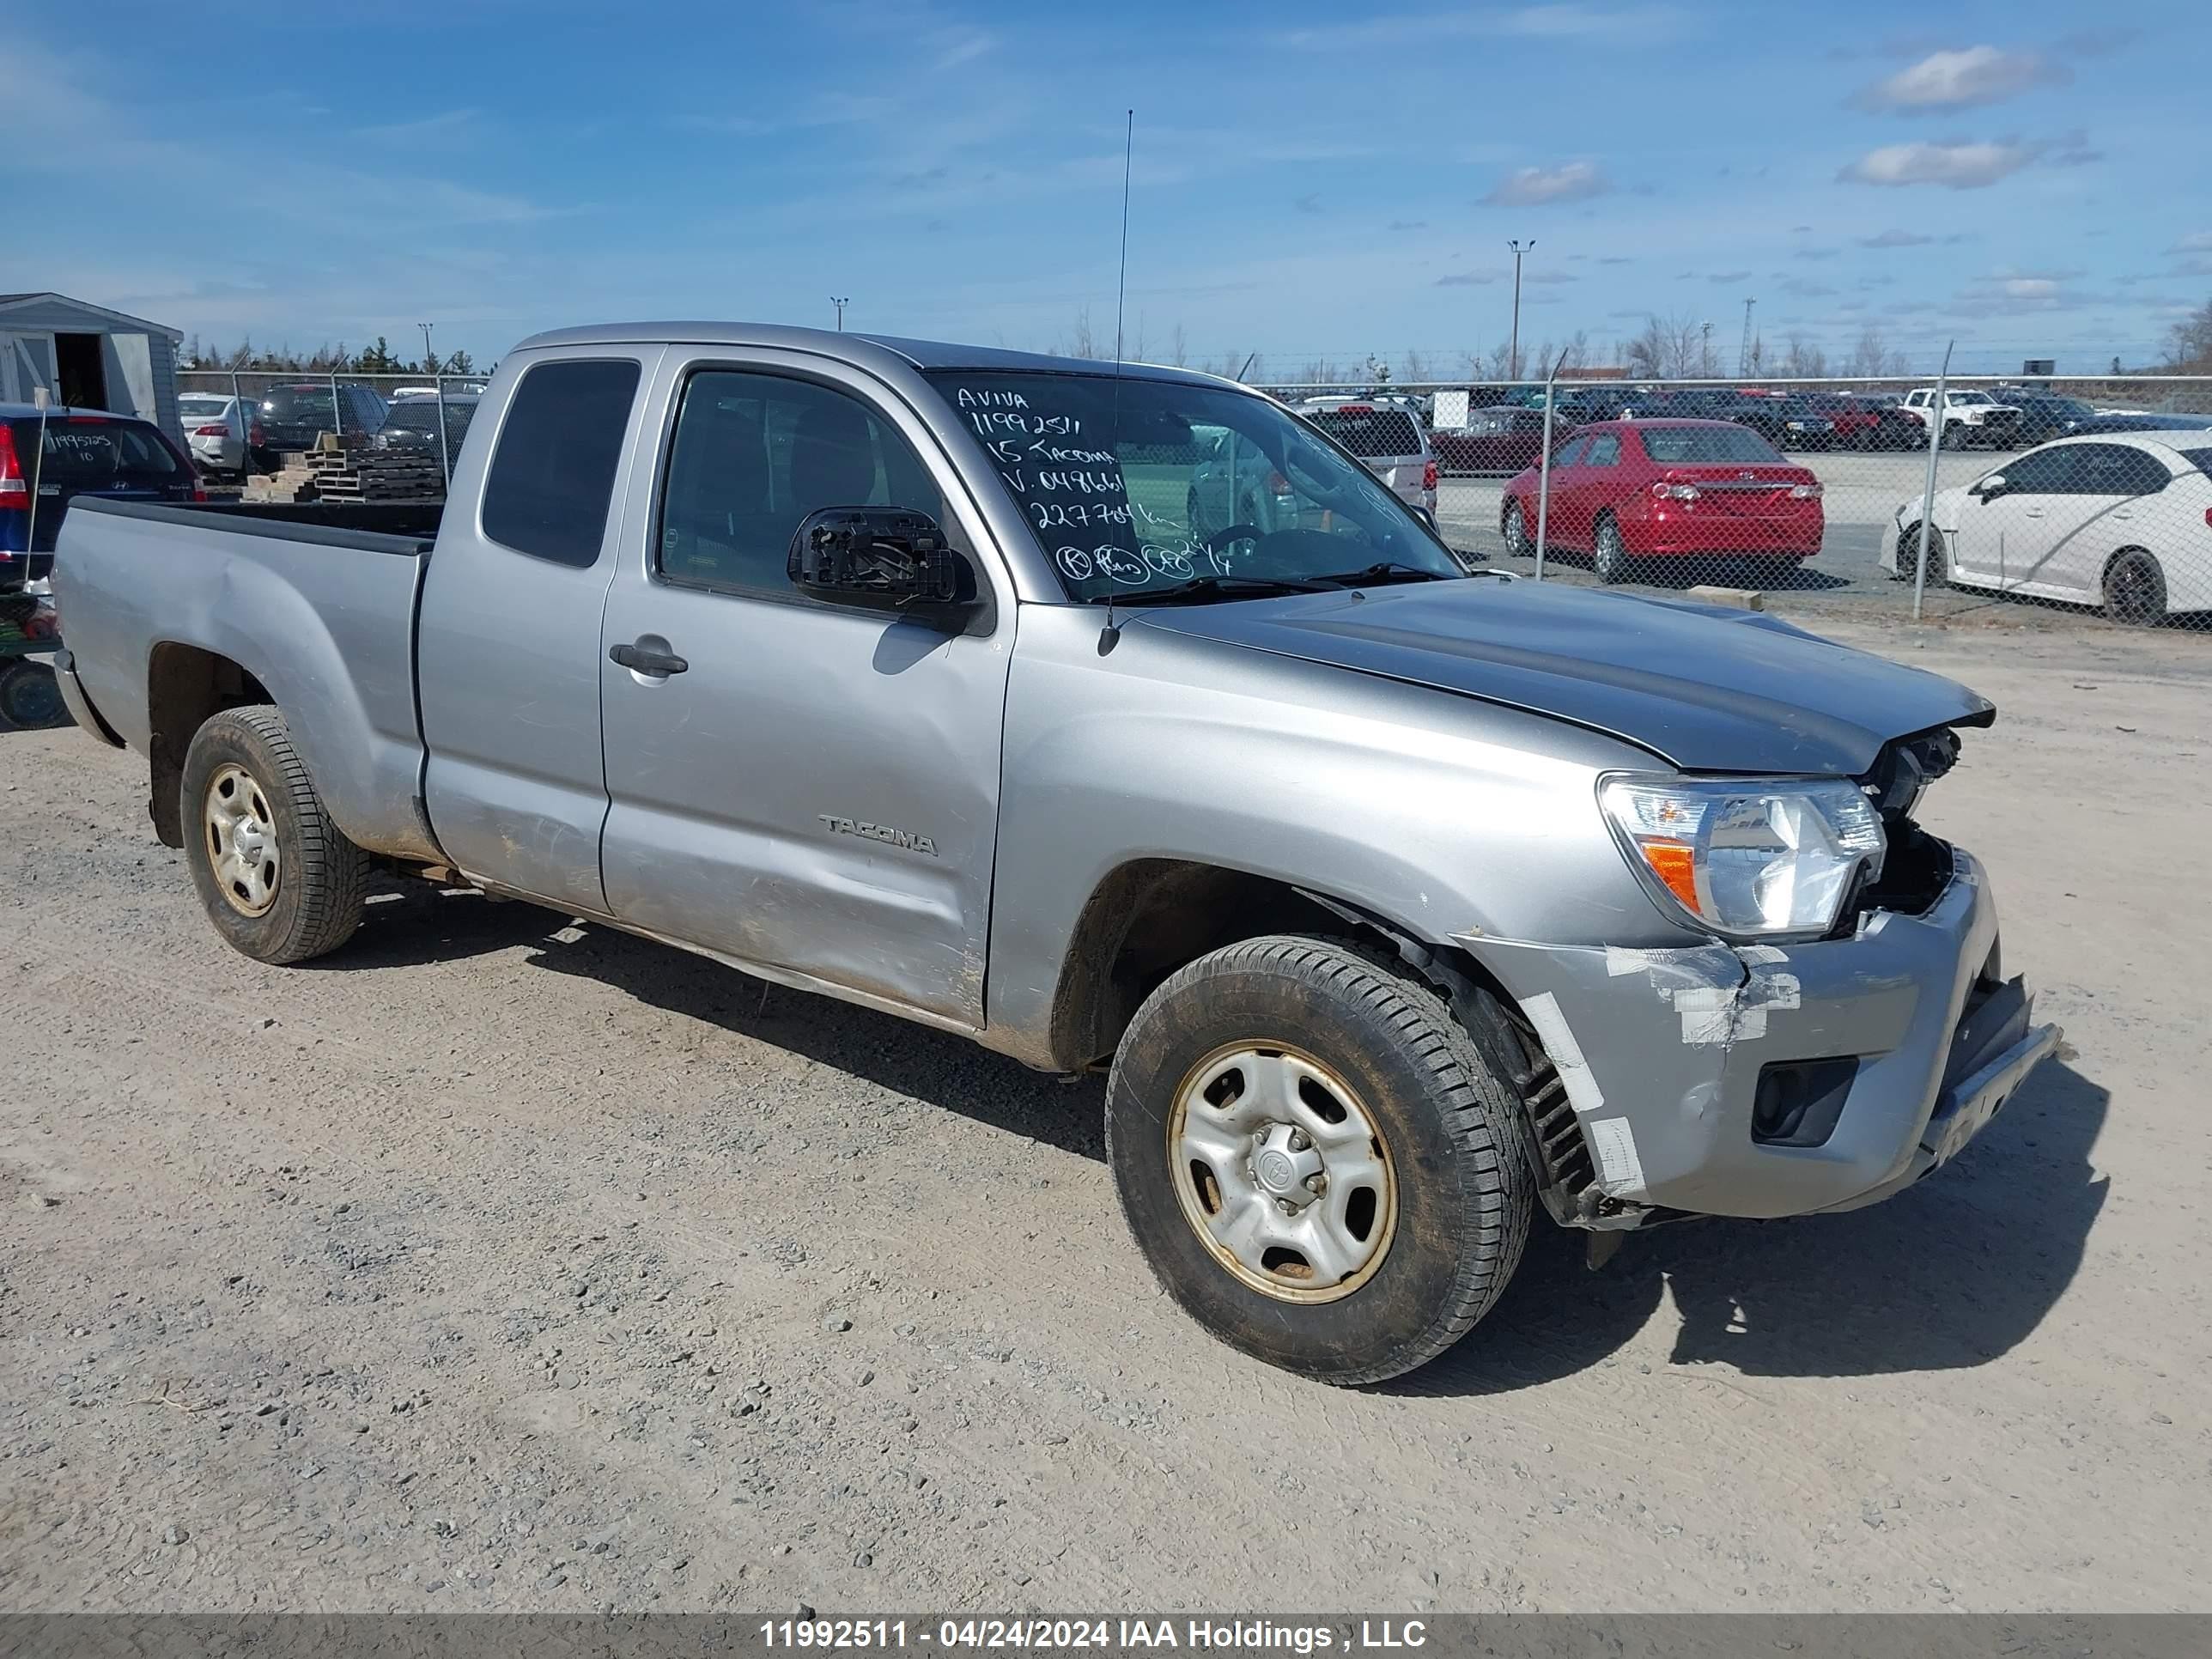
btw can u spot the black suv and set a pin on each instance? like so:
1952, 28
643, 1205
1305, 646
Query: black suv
291, 416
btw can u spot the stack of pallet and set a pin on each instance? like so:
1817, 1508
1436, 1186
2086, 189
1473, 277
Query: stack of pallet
337, 472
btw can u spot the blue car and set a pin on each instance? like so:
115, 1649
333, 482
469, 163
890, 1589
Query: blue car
85, 452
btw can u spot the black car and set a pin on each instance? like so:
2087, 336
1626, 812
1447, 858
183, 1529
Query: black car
2044, 416
1583, 404
2168, 420
291, 417
1792, 421
412, 423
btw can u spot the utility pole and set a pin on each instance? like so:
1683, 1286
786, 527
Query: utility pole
429, 360
1519, 248
1705, 350
1743, 353
841, 304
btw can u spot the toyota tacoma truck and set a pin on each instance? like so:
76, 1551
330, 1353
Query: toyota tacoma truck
1398, 900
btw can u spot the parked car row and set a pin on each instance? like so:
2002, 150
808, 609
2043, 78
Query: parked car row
228, 439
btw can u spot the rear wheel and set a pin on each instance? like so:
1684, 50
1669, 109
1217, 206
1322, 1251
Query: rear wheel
1314, 1159
278, 879
1609, 557
2135, 589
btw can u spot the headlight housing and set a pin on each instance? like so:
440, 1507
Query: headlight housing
1752, 857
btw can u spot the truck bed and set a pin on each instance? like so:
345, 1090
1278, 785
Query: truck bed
314, 602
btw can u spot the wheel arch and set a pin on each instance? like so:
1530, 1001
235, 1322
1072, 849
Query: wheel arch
187, 685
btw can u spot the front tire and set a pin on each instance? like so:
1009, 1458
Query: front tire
1610, 558
1315, 1161
279, 880
1908, 555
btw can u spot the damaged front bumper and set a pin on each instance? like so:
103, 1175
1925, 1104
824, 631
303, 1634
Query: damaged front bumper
1770, 1081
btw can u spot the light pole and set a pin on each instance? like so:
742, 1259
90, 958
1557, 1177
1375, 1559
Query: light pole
1706, 349
1519, 248
430, 363
841, 304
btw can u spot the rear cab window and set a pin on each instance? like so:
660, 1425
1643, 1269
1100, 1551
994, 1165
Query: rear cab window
553, 475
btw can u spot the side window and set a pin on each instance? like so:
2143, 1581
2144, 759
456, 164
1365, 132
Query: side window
2132, 472
554, 471
1571, 455
756, 453
2053, 472
1603, 452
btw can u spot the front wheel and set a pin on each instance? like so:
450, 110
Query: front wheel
1908, 555
1314, 1159
275, 875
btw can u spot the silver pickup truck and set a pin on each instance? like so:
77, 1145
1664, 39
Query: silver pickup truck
1122, 720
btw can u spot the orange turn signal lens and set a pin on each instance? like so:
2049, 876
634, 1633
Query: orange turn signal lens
1674, 864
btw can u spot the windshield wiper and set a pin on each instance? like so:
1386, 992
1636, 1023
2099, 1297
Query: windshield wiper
1386, 570
1215, 588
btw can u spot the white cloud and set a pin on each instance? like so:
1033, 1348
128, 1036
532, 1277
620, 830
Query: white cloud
2198, 242
1956, 167
1574, 181
1962, 80
1895, 239
1614, 25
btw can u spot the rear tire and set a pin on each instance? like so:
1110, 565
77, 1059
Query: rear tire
1609, 556
279, 880
1343, 1043
30, 701
2135, 589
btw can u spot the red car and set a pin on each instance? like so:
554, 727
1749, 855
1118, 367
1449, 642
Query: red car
1624, 490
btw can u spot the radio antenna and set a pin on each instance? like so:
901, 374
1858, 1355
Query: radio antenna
1122, 287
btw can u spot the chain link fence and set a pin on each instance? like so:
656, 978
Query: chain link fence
241, 423
2092, 496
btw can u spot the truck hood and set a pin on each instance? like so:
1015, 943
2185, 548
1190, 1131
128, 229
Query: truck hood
1705, 689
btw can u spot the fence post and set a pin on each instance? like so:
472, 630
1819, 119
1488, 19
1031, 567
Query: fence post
1544, 468
444, 460
1928, 495
244, 430
337, 415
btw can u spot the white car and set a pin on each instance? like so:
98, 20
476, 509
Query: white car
1969, 418
2122, 520
214, 429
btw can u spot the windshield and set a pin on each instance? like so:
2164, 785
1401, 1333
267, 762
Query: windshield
1132, 484
1676, 446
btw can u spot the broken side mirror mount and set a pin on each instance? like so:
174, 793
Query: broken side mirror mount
878, 555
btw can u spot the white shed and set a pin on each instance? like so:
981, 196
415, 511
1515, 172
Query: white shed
89, 357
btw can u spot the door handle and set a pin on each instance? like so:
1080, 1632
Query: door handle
639, 660
2032, 512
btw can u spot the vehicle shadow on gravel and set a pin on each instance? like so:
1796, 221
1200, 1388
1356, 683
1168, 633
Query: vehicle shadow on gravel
1951, 1274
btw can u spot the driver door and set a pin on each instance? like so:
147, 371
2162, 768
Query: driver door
2002, 538
812, 787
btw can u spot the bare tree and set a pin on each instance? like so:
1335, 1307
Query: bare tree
1668, 347
1578, 353
1414, 367
2189, 342
1178, 352
1080, 343
1802, 360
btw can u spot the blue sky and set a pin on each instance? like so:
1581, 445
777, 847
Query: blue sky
1310, 179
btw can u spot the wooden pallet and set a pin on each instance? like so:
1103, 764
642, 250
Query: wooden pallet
330, 472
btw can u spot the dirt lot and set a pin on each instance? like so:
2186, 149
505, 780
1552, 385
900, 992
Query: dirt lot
499, 1263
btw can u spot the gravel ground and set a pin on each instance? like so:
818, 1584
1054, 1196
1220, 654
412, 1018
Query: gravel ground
499, 1263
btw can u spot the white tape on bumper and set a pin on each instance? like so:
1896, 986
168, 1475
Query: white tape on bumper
1575, 1074
1612, 1144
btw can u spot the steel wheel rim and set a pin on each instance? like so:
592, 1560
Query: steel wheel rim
1516, 528
1247, 1187
2131, 590
242, 841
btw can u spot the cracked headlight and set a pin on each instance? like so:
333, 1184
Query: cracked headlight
1753, 858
